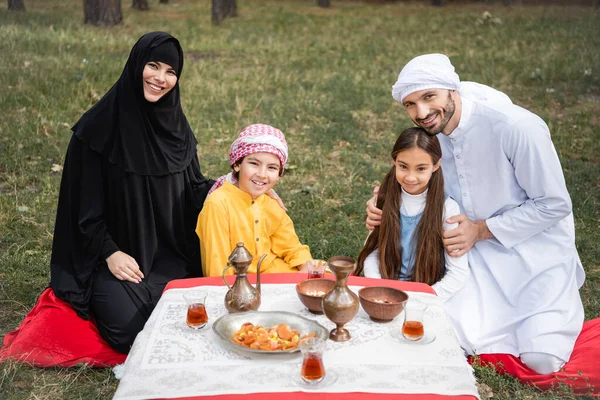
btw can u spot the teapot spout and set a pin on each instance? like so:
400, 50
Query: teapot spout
258, 272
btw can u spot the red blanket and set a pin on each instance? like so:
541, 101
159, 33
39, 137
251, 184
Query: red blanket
52, 334
581, 373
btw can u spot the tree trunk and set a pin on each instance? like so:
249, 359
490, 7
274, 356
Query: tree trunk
102, 12
164, 1
438, 3
222, 9
231, 8
16, 5
323, 3
141, 5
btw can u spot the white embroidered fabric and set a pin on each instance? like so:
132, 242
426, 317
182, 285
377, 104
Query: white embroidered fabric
170, 360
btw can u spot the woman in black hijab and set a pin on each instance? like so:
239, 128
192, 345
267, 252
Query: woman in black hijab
129, 198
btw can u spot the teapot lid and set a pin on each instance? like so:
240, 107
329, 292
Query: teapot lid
240, 254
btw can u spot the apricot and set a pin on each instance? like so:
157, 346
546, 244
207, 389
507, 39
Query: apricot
262, 338
251, 337
284, 332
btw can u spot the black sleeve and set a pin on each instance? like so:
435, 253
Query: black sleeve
81, 240
199, 190
200, 187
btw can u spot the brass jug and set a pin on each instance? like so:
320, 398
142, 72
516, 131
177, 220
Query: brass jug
242, 296
341, 304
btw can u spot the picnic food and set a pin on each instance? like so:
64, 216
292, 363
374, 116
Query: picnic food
381, 301
318, 293
278, 337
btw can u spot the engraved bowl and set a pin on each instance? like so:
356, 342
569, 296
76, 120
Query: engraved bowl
382, 304
314, 303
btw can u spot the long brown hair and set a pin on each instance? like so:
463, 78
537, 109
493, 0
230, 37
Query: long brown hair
429, 262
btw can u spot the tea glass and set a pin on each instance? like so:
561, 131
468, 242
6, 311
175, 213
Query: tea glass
313, 369
196, 308
316, 269
412, 328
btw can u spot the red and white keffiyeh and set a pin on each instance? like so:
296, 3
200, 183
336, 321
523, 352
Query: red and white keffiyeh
257, 138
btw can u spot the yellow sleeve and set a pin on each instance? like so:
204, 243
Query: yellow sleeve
286, 245
213, 232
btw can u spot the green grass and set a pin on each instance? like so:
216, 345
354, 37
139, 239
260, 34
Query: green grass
322, 76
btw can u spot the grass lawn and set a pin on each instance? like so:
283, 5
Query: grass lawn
324, 77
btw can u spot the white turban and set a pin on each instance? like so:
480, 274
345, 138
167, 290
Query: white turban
429, 71
434, 71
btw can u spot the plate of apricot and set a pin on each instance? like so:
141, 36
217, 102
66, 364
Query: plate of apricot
267, 332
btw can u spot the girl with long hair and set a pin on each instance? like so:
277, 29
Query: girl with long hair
408, 243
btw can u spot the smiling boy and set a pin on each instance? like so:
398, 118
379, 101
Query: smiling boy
238, 208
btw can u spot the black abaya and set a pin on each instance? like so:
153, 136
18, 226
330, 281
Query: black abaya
102, 209
132, 183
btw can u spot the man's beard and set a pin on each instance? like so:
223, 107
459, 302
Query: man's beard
448, 109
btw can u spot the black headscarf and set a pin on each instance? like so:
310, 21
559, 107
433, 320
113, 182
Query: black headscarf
139, 136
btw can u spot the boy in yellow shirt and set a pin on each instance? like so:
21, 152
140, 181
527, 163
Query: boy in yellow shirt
240, 210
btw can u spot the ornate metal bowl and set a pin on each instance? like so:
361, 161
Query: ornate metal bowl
228, 324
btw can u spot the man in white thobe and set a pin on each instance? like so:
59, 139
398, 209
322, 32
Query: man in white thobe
499, 164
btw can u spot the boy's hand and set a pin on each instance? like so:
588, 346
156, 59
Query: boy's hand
303, 267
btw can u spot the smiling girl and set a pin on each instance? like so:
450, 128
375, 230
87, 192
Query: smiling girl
241, 211
408, 243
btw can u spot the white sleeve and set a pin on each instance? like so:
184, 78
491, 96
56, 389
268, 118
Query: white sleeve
371, 265
457, 269
538, 172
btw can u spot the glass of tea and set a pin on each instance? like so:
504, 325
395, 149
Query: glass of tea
196, 308
313, 369
412, 328
316, 269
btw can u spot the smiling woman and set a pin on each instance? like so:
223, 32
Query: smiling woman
159, 78
129, 197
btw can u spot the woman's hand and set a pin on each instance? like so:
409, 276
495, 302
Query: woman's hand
124, 267
271, 193
373, 213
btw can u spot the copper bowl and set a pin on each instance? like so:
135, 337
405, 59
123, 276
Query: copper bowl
312, 302
382, 304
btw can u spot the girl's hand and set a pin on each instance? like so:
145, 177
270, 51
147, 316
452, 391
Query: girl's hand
124, 267
271, 193
373, 213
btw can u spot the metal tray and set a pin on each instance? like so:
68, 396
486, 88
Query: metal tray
228, 324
